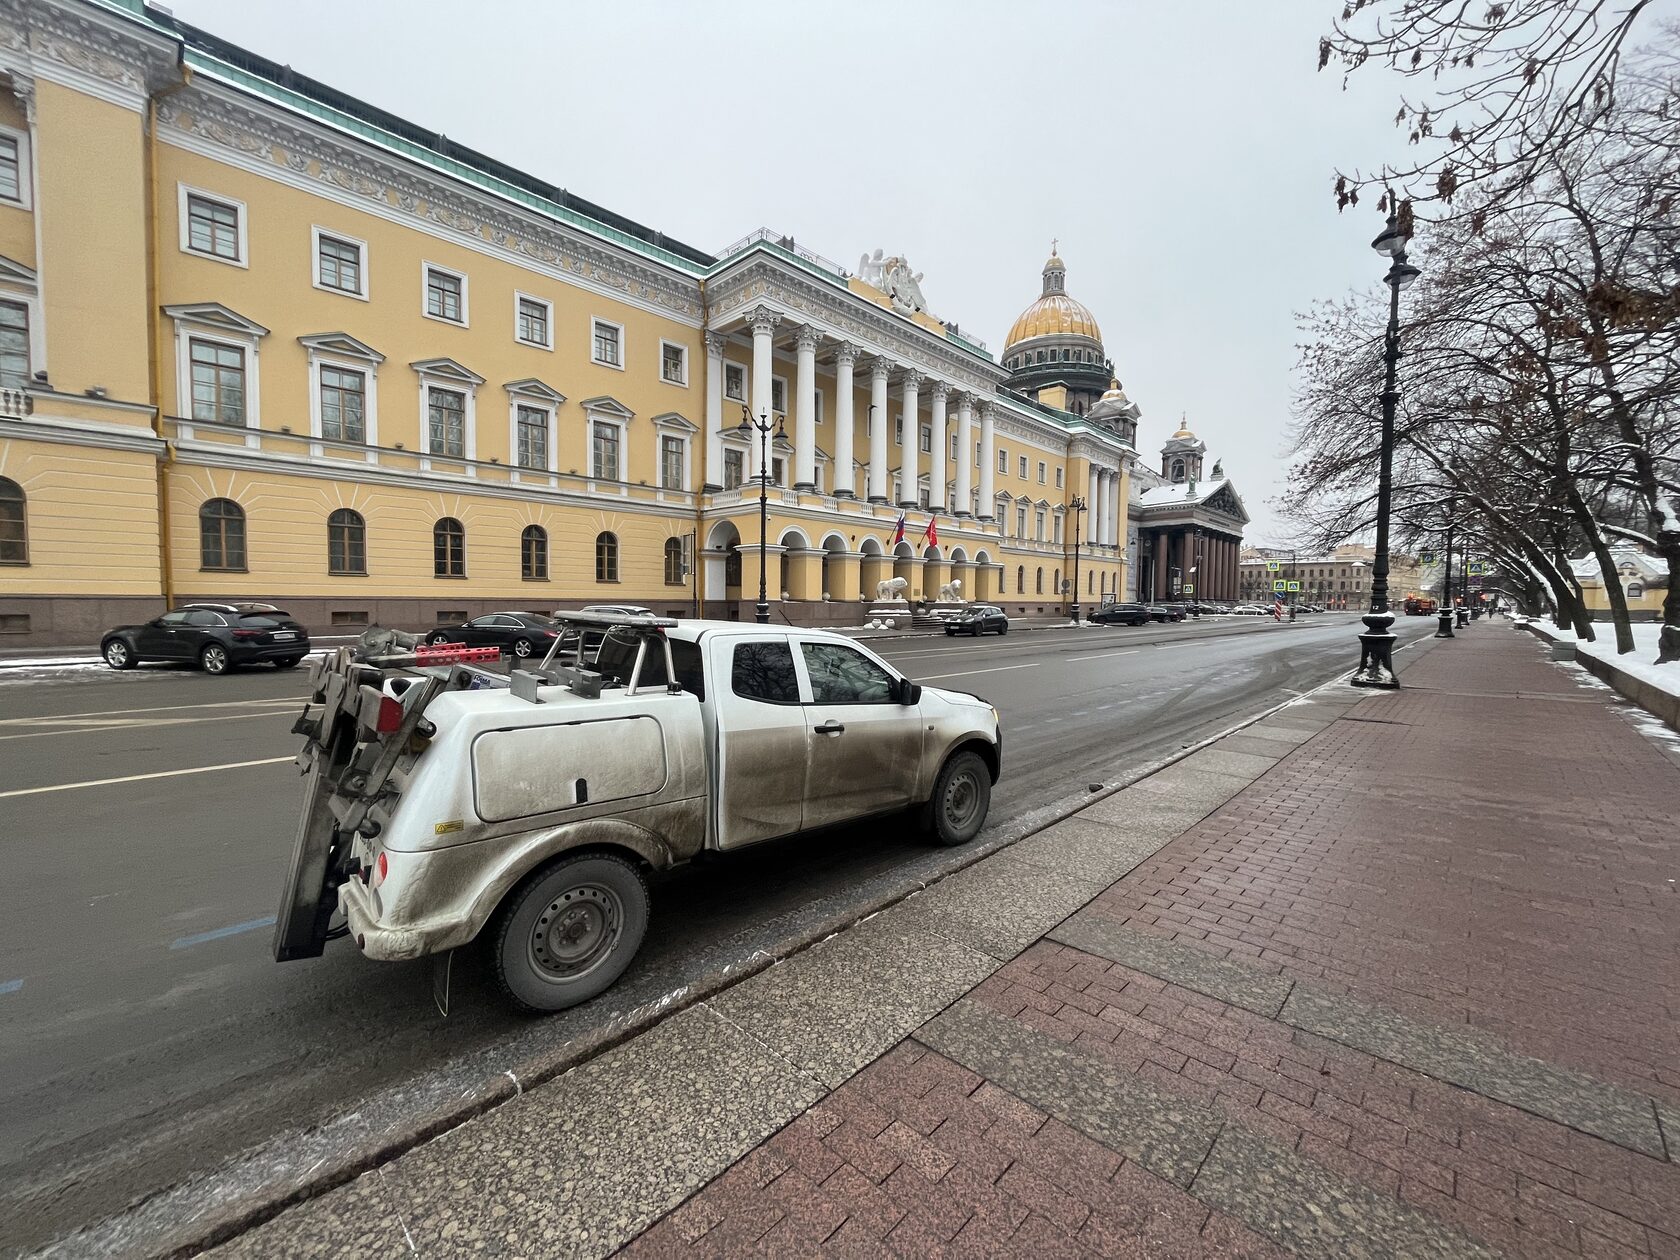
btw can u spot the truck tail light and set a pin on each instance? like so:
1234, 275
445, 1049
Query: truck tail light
390, 716
380, 870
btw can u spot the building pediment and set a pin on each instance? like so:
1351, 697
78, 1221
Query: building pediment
607, 405
16, 274
341, 344
215, 315
531, 387
676, 421
447, 369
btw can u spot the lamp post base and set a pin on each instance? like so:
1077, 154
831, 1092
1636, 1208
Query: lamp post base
1463, 617
1376, 653
1445, 629
762, 615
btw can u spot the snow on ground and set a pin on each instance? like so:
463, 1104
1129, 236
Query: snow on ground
1640, 662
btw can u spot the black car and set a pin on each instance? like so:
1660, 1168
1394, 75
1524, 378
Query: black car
216, 637
1166, 612
518, 634
977, 619
1120, 615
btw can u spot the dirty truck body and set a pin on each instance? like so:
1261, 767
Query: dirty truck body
444, 802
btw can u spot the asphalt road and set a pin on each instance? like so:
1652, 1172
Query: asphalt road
145, 1032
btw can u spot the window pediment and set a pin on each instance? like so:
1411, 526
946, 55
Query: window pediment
16, 274
215, 315
341, 344
675, 421
531, 387
607, 405
447, 369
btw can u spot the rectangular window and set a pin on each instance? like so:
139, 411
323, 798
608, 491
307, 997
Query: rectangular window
1041, 471
734, 469
14, 345
605, 451
898, 430
445, 295
343, 404
212, 227
977, 454
671, 462
446, 419
1020, 522
1058, 478
218, 382
532, 322
1038, 526
778, 472
956, 452
609, 347
673, 363
14, 623
1003, 461
735, 382
349, 617
338, 264
778, 395
1023, 468
532, 426
927, 439
764, 671
11, 170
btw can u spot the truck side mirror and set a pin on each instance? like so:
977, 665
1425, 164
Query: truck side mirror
909, 692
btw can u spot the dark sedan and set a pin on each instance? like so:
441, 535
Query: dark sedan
977, 619
518, 634
1120, 615
215, 637
1166, 612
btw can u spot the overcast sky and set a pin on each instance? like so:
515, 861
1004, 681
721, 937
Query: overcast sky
1182, 154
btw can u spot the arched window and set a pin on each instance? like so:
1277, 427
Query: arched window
14, 523
533, 554
1020, 579
606, 557
221, 535
1177, 471
1038, 587
1635, 590
347, 543
673, 562
449, 548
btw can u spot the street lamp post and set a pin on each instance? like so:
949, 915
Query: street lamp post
1464, 590
1444, 627
765, 430
1376, 644
1078, 506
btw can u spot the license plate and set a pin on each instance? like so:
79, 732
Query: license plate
285, 634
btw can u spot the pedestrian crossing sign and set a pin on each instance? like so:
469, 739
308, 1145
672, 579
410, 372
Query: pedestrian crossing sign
1292, 586
1477, 568
1188, 589
1272, 566
1426, 557
1280, 586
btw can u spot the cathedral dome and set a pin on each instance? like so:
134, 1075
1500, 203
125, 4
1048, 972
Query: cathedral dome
1054, 314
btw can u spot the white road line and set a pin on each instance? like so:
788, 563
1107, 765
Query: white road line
161, 708
1103, 656
136, 778
996, 669
101, 728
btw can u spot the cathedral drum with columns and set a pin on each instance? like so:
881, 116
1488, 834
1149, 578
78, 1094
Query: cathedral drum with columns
345, 365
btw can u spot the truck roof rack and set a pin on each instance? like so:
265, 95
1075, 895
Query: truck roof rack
607, 620
586, 683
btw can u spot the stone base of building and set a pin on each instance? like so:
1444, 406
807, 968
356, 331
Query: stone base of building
52, 621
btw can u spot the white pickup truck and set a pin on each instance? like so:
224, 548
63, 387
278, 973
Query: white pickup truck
445, 801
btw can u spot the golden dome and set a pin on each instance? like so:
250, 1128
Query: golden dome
1053, 313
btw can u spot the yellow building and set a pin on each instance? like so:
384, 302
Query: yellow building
260, 340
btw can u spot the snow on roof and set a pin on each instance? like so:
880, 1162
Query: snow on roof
1180, 493
1647, 567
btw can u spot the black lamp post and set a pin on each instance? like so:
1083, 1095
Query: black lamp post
1464, 590
1444, 628
765, 430
1376, 644
1077, 504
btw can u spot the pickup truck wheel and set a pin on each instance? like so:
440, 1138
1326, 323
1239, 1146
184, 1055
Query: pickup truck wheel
961, 796
570, 931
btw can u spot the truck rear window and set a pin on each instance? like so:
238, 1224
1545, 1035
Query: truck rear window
617, 659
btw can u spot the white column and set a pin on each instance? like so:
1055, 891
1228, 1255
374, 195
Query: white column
714, 410
1093, 502
941, 447
1099, 533
763, 333
965, 455
844, 358
880, 422
805, 410
988, 464
1110, 502
909, 470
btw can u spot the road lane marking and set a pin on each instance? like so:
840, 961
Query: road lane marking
83, 727
10, 986
157, 708
136, 778
996, 669
1103, 656
216, 934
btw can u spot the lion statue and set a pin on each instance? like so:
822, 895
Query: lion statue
892, 588
951, 592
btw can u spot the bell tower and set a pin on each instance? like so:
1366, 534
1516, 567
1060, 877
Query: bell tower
1181, 457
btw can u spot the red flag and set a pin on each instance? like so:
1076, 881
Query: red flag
898, 531
931, 533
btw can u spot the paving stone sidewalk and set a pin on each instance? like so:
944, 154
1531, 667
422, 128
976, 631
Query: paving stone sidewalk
1382, 975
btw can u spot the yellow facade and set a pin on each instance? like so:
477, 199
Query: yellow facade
116, 457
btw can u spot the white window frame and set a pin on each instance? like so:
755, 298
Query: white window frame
316, 232
26, 169
188, 330
1043, 472
1023, 464
469, 438
665, 343
368, 367
547, 306
593, 418
18, 284
595, 321
425, 307
742, 369
671, 425
681, 439
1059, 471
926, 443
242, 219
1003, 460
549, 409
898, 433
782, 383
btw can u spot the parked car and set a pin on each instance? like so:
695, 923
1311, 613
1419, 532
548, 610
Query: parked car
592, 638
1120, 615
530, 812
1248, 610
1166, 612
977, 619
216, 637
518, 634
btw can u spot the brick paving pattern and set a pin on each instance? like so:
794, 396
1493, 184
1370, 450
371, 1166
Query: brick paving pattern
1535, 909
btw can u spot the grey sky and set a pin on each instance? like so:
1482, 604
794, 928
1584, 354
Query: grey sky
1181, 153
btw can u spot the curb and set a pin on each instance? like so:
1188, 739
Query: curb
196, 1215
1658, 703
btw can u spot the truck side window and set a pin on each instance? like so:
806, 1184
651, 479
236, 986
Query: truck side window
843, 675
764, 671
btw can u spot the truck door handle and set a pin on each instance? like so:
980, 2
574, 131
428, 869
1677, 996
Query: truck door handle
830, 727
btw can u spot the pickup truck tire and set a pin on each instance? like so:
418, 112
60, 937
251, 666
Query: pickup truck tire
962, 794
570, 930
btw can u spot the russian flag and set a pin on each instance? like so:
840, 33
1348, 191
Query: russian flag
898, 532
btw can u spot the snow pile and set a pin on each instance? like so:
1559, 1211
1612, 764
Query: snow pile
1638, 662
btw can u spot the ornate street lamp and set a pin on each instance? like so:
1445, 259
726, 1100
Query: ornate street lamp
1376, 644
765, 430
1077, 506
1444, 626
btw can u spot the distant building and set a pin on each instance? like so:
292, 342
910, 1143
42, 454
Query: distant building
1333, 580
1188, 528
1644, 583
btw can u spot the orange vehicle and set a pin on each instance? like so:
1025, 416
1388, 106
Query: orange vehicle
1419, 606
